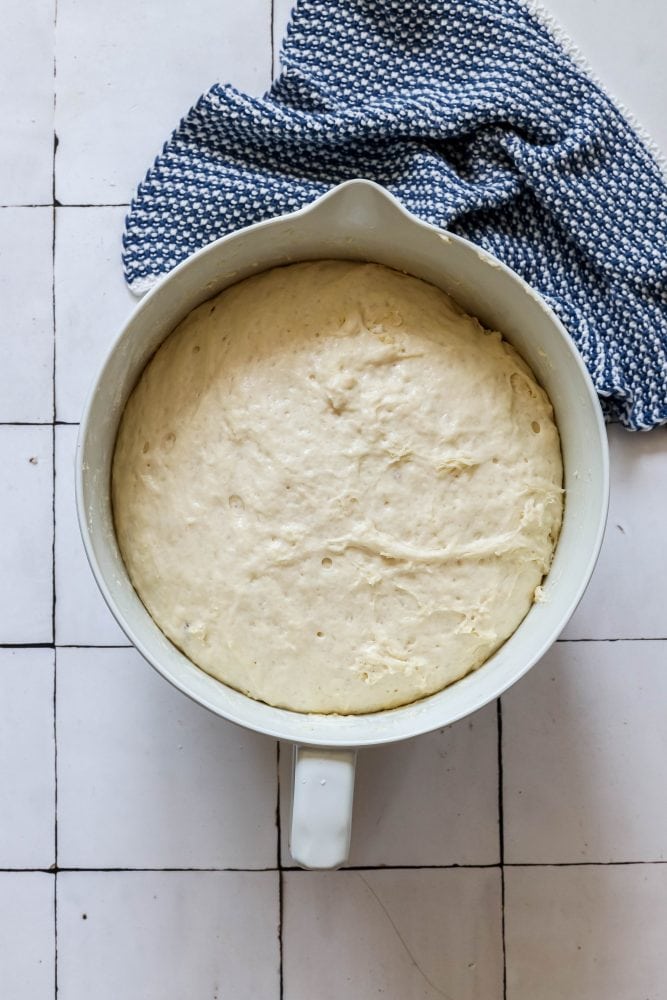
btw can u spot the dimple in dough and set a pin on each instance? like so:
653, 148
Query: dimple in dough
334, 491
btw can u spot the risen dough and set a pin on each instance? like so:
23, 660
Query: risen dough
334, 491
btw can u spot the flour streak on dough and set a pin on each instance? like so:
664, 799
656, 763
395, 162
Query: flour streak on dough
334, 491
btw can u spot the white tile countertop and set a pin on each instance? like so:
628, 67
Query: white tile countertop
519, 854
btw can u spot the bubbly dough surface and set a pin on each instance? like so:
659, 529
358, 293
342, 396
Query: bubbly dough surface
334, 491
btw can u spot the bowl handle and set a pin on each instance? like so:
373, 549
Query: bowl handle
322, 794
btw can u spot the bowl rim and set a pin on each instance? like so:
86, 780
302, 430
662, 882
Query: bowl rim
272, 725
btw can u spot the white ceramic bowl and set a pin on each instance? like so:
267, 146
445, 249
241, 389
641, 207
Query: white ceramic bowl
357, 220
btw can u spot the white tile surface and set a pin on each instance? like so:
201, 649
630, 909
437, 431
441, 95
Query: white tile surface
27, 751
26, 534
148, 779
281, 15
585, 755
429, 801
26, 102
626, 596
168, 936
82, 617
429, 933
26, 308
27, 936
596, 933
92, 299
124, 82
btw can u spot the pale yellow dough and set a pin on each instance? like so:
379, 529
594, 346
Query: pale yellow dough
334, 491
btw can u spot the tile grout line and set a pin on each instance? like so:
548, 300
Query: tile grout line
128, 645
71, 204
636, 638
123, 870
280, 871
280, 932
68, 870
92, 204
582, 864
277, 814
53, 512
484, 867
271, 42
501, 838
27, 645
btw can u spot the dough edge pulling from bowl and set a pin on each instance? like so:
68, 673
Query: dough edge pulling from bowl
334, 491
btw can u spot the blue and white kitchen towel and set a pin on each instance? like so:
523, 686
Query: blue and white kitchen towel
477, 117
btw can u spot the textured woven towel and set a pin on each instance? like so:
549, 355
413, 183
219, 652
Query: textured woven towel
476, 117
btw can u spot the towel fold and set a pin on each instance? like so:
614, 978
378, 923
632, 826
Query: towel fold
480, 121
